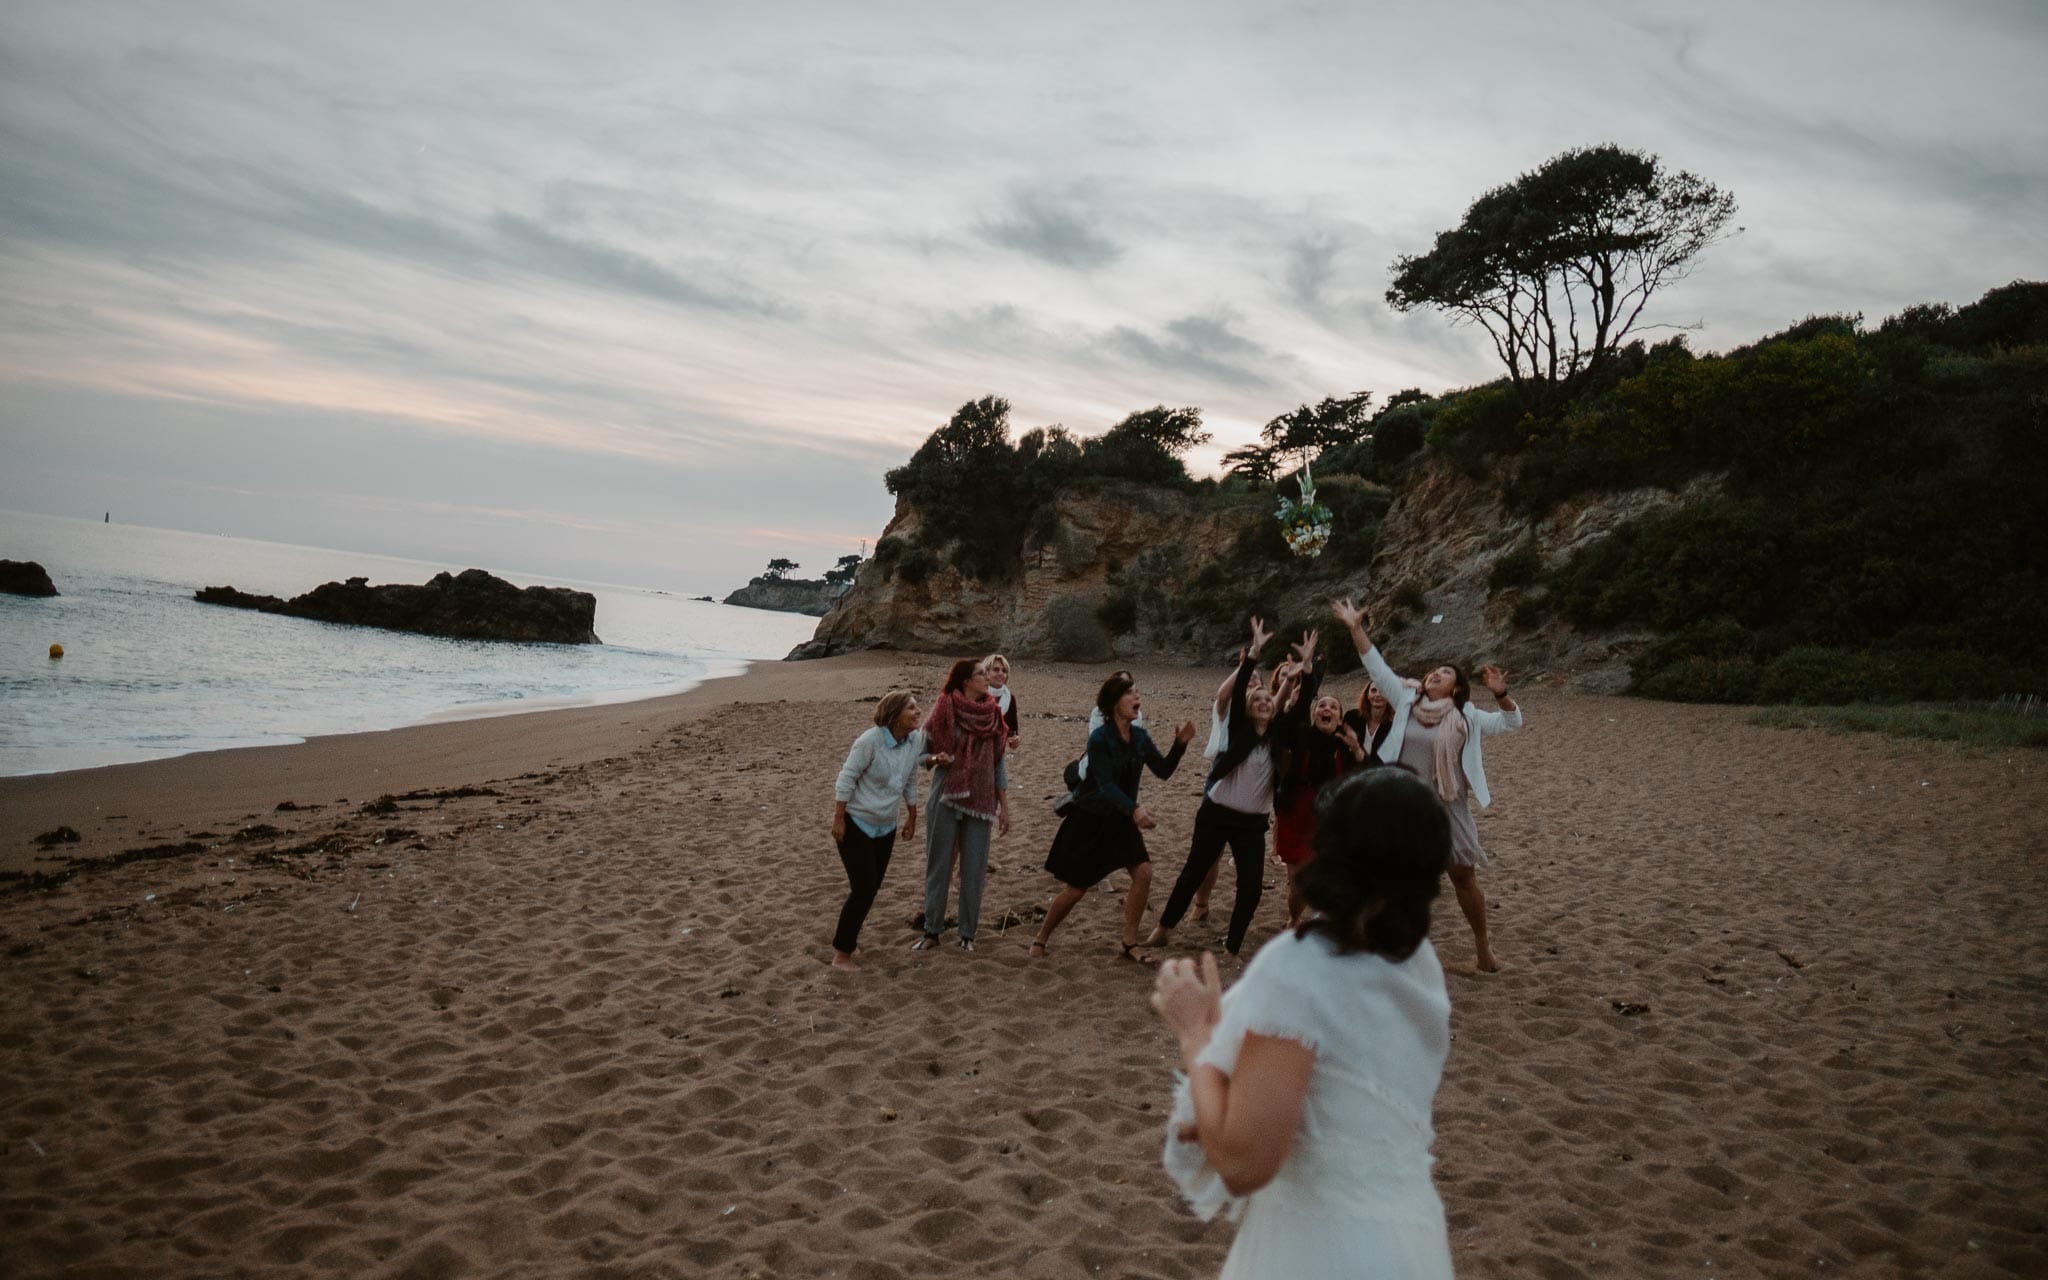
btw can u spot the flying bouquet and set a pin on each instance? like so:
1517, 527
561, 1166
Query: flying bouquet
1305, 524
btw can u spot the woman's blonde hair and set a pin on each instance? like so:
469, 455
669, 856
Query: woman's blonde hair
994, 658
892, 705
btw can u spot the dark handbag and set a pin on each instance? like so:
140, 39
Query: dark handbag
1078, 788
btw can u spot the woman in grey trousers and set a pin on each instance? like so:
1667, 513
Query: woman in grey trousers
970, 799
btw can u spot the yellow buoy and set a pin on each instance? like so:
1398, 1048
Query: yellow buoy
56, 650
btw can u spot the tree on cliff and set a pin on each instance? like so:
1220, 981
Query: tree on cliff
1303, 433
843, 572
971, 486
779, 568
1558, 265
1146, 446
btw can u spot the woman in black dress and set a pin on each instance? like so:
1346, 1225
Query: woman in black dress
1104, 830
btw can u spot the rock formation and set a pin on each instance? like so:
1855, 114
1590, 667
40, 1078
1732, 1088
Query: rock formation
1430, 584
25, 578
471, 605
813, 596
1050, 611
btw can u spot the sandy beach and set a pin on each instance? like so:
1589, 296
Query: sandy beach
546, 996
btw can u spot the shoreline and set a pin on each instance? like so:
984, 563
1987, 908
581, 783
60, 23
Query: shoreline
210, 788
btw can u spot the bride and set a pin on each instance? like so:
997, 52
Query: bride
1306, 1107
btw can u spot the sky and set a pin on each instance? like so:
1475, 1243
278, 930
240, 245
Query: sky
651, 293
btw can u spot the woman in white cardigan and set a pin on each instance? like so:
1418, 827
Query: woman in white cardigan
1436, 732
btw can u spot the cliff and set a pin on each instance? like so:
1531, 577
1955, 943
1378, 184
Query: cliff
1457, 576
914, 600
813, 596
1135, 573
471, 605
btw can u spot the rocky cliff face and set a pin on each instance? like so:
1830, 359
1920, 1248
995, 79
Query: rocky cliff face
471, 605
1429, 584
1050, 610
814, 596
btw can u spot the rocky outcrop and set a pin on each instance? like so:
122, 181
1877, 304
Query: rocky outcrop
1049, 611
1430, 587
25, 578
471, 605
813, 596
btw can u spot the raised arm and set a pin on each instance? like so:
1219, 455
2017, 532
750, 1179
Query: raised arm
1391, 687
1509, 717
1163, 766
1241, 683
1246, 1121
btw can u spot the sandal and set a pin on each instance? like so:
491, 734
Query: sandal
1146, 958
967, 944
1039, 950
926, 943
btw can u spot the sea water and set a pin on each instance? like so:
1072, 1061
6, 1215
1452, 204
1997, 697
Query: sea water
149, 672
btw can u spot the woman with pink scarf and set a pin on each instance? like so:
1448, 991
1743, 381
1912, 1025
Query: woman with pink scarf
1436, 733
970, 800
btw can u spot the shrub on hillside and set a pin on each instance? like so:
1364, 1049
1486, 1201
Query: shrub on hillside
1698, 679
1519, 567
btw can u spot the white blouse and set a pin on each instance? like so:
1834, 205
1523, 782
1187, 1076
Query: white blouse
1355, 1196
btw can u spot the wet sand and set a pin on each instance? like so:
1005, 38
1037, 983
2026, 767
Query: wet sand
1775, 1005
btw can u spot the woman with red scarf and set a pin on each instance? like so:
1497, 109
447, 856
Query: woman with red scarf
970, 801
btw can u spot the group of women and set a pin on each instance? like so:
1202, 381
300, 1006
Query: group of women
1306, 1102
1274, 746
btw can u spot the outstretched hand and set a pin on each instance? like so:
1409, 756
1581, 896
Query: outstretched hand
1305, 650
1351, 615
1259, 636
1496, 683
1186, 733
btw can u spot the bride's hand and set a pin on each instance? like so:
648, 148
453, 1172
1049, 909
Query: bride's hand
1189, 1000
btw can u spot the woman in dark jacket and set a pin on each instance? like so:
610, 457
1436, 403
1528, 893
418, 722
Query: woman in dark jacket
1104, 831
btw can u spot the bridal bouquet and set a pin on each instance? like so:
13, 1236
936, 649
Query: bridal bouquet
1305, 524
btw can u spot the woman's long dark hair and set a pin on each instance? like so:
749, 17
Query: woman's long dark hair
1382, 842
962, 672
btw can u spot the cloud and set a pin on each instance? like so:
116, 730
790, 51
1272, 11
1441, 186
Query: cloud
1311, 261
1039, 228
603, 266
1202, 346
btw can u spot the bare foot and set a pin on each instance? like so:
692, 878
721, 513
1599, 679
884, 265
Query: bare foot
1201, 911
844, 960
1486, 962
1158, 938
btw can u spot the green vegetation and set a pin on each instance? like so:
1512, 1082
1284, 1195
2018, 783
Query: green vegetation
1557, 266
1880, 528
1865, 511
1977, 725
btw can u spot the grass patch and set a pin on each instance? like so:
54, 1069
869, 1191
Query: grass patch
1972, 724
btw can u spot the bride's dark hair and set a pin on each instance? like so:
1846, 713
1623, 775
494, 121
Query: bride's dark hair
1382, 842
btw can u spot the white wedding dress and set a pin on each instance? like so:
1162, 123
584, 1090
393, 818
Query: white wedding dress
1354, 1197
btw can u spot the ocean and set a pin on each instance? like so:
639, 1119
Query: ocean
148, 672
